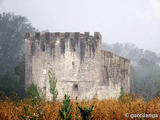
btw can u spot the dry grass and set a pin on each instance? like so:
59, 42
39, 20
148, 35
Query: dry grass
110, 109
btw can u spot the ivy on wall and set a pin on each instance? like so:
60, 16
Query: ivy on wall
52, 83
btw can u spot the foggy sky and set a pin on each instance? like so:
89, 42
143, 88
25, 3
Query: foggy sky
1, 2
133, 21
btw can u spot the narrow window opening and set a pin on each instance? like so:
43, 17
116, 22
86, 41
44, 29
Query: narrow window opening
75, 87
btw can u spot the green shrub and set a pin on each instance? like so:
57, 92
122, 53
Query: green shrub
121, 93
77, 111
65, 112
32, 91
86, 113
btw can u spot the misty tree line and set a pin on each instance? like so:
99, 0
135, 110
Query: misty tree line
145, 69
12, 31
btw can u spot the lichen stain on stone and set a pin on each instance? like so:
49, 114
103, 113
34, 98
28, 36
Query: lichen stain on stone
52, 49
73, 44
92, 46
82, 50
47, 36
57, 34
62, 45
33, 48
43, 45
76, 35
106, 75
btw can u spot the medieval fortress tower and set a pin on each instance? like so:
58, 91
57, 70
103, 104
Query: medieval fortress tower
82, 69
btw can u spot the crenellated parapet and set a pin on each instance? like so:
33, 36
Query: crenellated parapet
76, 42
49, 35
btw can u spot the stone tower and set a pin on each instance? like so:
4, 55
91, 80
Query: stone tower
82, 69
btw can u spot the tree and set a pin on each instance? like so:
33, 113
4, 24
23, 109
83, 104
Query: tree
20, 72
12, 31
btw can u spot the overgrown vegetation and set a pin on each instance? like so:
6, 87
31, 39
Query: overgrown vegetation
86, 113
33, 111
65, 111
121, 93
52, 83
32, 91
111, 109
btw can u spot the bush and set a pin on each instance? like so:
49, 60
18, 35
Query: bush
32, 91
86, 113
121, 93
65, 112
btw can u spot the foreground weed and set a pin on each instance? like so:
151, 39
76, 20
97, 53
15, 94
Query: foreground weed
86, 113
33, 111
65, 112
110, 109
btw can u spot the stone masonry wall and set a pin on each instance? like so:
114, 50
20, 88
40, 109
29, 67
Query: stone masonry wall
81, 68
116, 72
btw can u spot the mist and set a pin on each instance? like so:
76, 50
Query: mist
136, 21
1, 1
